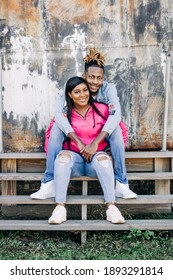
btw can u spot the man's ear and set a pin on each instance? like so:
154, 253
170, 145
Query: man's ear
83, 75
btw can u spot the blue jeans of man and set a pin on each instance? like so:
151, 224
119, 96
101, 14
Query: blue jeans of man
70, 164
116, 143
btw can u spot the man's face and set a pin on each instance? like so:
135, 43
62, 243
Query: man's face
94, 78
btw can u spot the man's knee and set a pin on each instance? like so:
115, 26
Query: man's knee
56, 135
116, 138
116, 133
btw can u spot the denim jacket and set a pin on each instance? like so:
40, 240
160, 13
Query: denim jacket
108, 95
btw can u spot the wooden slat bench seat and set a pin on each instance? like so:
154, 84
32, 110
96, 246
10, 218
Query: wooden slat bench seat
86, 199
131, 176
141, 166
130, 154
86, 225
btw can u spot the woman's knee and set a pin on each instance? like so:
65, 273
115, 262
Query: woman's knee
64, 157
103, 159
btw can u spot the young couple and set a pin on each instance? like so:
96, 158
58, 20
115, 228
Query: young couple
90, 122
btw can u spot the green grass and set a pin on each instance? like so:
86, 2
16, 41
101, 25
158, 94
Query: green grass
128, 245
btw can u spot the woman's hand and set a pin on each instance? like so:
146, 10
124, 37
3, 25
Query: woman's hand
89, 151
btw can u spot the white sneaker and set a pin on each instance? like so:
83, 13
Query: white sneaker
59, 215
113, 215
122, 190
46, 190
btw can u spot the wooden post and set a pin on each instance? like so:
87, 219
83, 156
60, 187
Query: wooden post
84, 211
162, 165
9, 187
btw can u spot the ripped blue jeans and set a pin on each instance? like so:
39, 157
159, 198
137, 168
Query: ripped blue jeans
70, 164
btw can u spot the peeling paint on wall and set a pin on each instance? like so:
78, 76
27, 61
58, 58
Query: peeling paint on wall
43, 43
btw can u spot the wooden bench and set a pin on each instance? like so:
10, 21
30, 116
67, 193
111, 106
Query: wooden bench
146, 166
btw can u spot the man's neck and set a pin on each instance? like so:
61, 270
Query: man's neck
94, 94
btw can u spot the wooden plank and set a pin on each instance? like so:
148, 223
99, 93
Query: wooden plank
139, 164
90, 225
87, 199
150, 176
131, 176
21, 176
149, 154
23, 155
130, 209
28, 211
34, 211
39, 165
35, 177
30, 165
8, 188
128, 154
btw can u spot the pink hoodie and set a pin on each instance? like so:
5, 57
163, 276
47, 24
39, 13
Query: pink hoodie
87, 128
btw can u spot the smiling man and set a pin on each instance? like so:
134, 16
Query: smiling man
103, 92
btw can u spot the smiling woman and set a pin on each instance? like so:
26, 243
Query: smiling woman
86, 116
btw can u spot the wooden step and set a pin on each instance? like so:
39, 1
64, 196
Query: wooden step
86, 199
128, 154
22, 155
131, 176
86, 225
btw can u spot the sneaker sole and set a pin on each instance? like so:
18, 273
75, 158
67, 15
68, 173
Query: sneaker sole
36, 197
118, 221
55, 222
125, 197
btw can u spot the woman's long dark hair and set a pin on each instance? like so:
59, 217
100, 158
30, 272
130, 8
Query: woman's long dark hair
70, 85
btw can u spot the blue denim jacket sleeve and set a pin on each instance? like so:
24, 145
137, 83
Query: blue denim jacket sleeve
110, 97
60, 116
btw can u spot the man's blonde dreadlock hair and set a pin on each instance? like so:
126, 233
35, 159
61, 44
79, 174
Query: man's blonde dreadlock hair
95, 57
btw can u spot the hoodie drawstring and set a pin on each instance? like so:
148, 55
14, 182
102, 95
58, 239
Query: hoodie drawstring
93, 118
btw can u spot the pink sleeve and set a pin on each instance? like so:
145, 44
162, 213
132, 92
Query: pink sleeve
124, 132
47, 136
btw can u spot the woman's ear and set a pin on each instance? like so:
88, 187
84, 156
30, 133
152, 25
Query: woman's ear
69, 94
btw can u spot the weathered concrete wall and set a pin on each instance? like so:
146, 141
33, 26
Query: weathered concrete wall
43, 42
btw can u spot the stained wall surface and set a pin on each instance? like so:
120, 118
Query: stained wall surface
43, 42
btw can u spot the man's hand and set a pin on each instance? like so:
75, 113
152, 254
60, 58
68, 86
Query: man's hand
80, 144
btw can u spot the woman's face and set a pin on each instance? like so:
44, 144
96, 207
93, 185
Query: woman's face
80, 95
